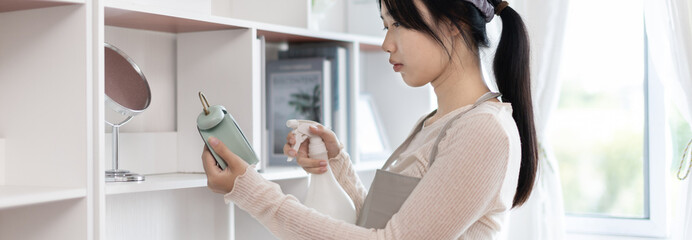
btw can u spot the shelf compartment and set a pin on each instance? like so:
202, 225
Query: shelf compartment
16, 5
54, 78
16, 196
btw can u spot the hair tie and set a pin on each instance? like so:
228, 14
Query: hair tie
485, 7
501, 7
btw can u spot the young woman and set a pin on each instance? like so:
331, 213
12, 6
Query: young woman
475, 156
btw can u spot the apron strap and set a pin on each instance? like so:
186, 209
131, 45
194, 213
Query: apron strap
487, 96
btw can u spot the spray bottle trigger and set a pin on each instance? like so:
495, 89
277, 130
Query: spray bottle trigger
295, 148
299, 140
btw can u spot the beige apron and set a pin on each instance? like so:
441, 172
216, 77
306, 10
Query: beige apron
389, 190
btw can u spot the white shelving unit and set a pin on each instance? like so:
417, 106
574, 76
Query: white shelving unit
54, 145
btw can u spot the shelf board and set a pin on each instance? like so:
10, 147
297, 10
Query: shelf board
172, 181
278, 33
16, 5
158, 22
16, 196
157, 182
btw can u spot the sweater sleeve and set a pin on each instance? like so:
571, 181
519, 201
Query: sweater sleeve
348, 179
456, 192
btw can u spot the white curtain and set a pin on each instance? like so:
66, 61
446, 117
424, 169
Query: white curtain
669, 31
542, 216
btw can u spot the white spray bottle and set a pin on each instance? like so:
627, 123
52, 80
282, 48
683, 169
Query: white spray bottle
324, 193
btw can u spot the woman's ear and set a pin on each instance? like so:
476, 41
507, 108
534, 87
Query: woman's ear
459, 28
449, 28
454, 29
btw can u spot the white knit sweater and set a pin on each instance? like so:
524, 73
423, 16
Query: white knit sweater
465, 194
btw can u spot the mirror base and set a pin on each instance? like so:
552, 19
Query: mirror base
123, 176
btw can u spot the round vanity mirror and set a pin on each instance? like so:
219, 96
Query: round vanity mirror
128, 93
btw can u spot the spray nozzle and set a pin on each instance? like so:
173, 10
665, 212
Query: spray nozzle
301, 131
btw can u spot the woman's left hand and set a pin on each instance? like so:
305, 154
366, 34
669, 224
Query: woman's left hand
222, 181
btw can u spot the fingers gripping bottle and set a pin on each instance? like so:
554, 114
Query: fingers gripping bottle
324, 193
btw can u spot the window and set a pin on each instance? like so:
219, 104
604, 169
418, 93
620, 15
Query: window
608, 131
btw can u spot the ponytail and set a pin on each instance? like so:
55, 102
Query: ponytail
512, 74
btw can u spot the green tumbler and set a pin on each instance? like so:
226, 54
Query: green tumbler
217, 122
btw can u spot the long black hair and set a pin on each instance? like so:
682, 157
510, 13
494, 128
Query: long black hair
511, 64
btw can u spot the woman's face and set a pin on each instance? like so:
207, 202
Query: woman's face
416, 55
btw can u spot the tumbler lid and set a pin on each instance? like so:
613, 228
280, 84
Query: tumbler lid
215, 116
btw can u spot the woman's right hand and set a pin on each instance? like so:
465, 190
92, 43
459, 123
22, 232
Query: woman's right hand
310, 165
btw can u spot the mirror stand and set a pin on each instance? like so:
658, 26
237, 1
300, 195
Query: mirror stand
115, 174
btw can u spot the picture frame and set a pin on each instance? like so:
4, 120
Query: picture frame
296, 89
